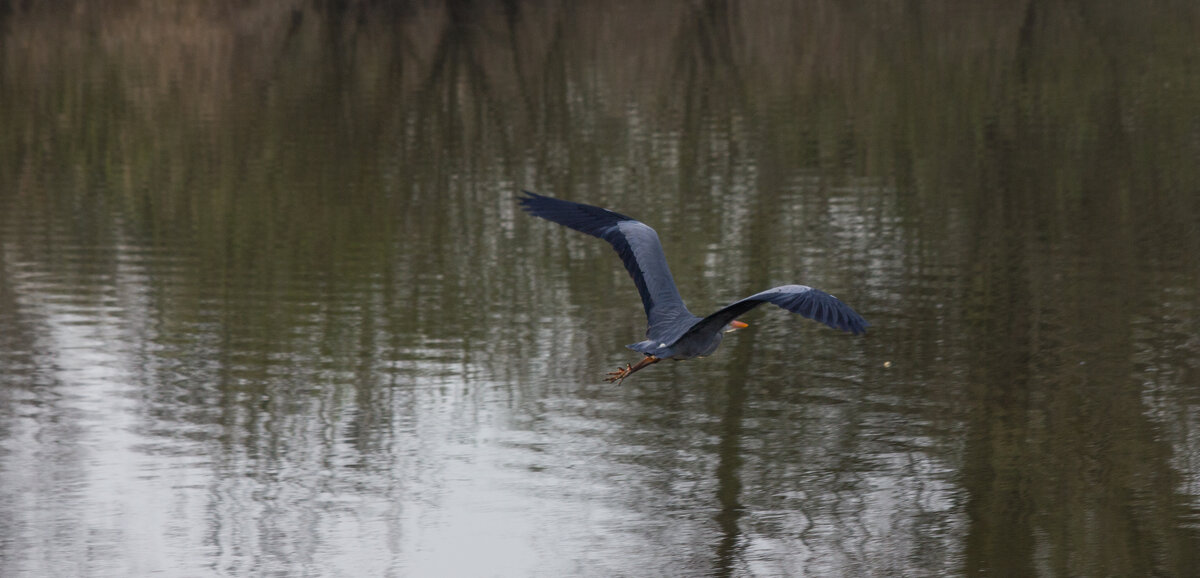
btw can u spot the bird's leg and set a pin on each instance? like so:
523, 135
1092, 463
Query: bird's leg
622, 372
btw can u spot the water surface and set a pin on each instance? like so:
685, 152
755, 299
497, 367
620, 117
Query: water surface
268, 305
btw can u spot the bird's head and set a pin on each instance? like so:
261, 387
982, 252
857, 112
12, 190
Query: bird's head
735, 325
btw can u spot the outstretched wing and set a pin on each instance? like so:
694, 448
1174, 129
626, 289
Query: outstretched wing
634, 241
811, 303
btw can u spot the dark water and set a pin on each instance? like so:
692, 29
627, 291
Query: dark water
268, 306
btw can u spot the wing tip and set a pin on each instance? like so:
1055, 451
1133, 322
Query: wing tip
526, 196
831, 311
535, 204
854, 323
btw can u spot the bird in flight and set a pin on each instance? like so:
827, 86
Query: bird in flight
672, 332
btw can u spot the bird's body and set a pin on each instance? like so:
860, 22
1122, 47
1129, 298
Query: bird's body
673, 332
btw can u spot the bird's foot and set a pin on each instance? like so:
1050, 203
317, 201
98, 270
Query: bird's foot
620, 374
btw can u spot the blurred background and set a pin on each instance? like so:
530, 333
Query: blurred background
268, 305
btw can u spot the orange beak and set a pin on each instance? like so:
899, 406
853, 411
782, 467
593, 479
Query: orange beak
738, 324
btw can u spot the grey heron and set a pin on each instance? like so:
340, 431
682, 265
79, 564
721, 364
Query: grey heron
672, 332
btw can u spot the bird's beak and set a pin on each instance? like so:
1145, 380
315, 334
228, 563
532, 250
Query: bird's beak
735, 325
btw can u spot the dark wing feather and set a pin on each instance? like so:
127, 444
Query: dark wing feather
634, 241
811, 303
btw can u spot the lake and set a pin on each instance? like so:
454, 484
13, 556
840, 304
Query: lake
269, 306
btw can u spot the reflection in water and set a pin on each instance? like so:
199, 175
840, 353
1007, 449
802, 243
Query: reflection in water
267, 305
729, 554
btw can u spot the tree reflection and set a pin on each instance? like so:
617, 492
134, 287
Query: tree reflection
306, 211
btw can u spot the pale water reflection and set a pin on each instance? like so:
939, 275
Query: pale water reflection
268, 305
